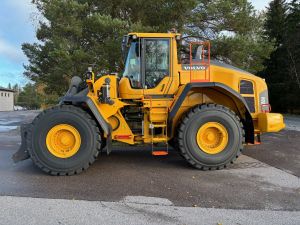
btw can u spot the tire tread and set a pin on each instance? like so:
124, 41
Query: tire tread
183, 150
72, 109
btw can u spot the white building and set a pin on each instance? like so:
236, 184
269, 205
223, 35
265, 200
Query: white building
6, 99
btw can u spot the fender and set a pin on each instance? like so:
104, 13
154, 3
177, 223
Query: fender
79, 99
246, 120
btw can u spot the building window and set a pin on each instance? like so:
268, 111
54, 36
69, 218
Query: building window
1, 94
7, 94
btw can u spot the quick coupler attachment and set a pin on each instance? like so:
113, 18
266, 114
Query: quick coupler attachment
22, 153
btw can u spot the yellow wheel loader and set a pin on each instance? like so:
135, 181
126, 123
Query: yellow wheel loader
204, 109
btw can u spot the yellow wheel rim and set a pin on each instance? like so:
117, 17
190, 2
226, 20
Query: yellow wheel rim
212, 138
63, 141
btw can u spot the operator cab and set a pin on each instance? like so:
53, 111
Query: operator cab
147, 65
149, 72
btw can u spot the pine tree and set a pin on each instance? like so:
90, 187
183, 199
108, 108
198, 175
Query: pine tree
29, 98
74, 34
292, 45
282, 69
275, 21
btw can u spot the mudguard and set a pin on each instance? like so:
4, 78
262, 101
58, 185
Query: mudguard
76, 95
79, 99
247, 121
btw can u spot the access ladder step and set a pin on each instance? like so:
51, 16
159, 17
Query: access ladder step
159, 139
159, 112
160, 153
157, 125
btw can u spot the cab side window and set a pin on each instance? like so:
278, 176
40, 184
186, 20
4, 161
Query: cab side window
157, 61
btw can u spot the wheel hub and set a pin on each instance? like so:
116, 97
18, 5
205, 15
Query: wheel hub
212, 137
63, 141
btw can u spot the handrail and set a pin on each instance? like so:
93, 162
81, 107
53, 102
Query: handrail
203, 63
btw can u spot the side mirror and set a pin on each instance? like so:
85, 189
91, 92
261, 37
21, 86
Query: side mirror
125, 41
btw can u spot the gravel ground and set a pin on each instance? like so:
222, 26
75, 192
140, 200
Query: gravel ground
292, 122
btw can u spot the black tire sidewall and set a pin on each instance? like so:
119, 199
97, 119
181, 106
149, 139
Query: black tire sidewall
49, 120
232, 126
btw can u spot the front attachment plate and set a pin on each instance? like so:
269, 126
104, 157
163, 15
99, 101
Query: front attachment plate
22, 153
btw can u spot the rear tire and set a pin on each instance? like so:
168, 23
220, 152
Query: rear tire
86, 130
227, 142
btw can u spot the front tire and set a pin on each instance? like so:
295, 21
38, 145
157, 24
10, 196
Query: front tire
63, 140
210, 137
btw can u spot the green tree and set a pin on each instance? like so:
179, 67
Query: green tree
292, 45
275, 21
17, 90
29, 98
76, 33
282, 69
235, 30
15, 87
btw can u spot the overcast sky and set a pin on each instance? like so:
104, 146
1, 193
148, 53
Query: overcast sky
17, 26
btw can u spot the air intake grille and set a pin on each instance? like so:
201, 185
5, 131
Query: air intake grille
250, 103
246, 87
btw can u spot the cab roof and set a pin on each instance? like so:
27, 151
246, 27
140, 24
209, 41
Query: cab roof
156, 35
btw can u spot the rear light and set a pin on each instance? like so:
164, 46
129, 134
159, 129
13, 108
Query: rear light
265, 108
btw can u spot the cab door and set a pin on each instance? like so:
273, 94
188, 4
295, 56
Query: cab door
156, 66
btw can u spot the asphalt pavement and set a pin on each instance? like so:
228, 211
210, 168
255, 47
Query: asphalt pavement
262, 187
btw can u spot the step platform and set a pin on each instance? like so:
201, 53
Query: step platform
160, 153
